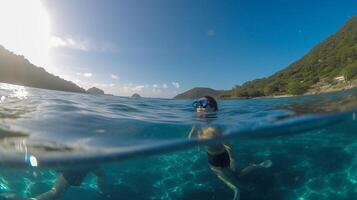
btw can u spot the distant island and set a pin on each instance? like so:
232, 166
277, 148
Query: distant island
95, 90
198, 92
16, 69
136, 95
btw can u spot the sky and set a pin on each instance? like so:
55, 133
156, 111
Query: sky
160, 48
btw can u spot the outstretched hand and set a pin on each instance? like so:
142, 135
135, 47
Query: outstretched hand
266, 164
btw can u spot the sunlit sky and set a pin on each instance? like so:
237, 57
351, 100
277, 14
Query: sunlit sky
159, 48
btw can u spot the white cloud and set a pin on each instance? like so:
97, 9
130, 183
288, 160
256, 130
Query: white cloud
87, 74
176, 84
123, 89
138, 88
155, 88
69, 42
113, 76
104, 85
82, 44
211, 33
57, 42
110, 86
156, 91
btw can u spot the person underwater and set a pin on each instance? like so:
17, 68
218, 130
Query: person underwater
72, 177
219, 155
67, 176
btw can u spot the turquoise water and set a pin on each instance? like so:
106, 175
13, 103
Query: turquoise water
143, 147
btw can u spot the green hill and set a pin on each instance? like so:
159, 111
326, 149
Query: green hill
335, 56
136, 95
94, 90
15, 69
198, 92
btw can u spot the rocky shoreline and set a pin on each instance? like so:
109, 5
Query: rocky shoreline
331, 87
318, 88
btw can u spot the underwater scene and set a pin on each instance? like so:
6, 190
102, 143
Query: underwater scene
109, 147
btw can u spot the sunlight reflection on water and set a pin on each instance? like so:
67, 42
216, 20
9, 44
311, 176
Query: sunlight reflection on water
16, 91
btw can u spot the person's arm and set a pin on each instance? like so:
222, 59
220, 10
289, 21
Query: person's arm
57, 191
192, 132
232, 160
100, 179
252, 167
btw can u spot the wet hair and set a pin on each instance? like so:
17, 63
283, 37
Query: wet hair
212, 102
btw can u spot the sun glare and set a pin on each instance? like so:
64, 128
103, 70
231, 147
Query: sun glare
25, 29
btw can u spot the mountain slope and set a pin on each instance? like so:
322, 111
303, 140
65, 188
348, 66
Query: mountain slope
198, 92
336, 56
136, 95
94, 90
15, 69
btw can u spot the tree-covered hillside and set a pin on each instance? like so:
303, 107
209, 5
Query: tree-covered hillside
15, 69
334, 57
198, 92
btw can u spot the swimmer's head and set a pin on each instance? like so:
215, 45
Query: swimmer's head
206, 104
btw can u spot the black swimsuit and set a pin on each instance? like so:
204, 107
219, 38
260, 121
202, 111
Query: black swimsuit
219, 160
75, 177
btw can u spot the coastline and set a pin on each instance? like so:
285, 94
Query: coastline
326, 88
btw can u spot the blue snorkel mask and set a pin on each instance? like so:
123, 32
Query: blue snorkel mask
201, 103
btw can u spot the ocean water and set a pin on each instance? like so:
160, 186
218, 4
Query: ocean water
142, 145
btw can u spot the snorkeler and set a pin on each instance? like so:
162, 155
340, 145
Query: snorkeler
69, 176
220, 159
66, 178
72, 177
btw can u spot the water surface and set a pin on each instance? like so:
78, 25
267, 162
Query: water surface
142, 145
